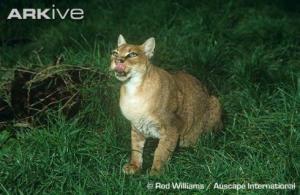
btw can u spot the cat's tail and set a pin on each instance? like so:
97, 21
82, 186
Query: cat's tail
214, 121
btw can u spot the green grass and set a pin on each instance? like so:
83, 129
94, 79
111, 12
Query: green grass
248, 54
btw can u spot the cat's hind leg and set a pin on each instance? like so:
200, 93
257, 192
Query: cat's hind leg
211, 120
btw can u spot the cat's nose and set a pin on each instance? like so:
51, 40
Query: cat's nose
119, 60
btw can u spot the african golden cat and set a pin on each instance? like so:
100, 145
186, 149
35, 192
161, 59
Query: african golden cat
171, 107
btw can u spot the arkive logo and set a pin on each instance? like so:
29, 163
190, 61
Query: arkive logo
46, 14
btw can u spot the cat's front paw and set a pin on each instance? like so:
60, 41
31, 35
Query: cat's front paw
131, 169
155, 172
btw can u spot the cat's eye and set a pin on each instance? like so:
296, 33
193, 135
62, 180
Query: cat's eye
132, 54
114, 53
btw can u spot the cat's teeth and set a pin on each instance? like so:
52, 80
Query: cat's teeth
121, 73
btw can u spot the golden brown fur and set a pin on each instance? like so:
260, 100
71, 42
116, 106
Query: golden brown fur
171, 107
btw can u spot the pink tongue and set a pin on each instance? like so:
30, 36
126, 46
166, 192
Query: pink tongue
120, 67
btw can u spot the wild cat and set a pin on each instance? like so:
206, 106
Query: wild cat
175, 108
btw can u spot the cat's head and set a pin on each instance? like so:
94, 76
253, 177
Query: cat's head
129, 60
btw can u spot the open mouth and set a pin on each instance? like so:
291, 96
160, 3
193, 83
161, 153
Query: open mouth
121, 74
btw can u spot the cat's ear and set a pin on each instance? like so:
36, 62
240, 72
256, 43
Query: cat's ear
121, 40
149, 46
